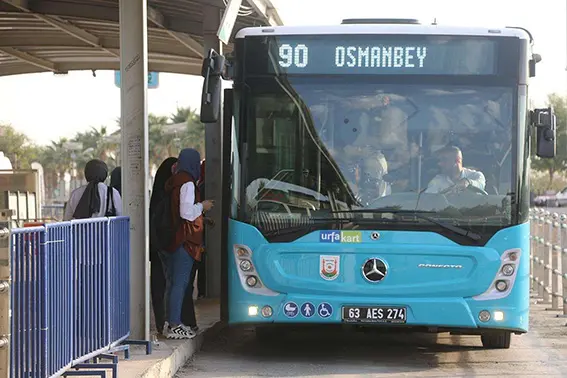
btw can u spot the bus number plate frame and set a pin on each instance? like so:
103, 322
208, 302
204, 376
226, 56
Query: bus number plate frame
375, 314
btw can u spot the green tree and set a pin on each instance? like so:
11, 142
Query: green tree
166, 138
17, 147
181, 114
96, 144
56, 161
194, 135
159, 142
559, 163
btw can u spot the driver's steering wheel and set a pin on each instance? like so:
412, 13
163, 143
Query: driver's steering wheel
470, 188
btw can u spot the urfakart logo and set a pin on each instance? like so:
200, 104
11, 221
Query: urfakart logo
340, 236
440, 266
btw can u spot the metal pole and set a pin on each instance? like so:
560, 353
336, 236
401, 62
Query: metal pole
539, 253
564, 266
134, 151
533, 236
213, 148
555, 260
5, 282
547, 259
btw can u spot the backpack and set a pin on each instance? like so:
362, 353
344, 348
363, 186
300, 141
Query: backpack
110, 211
162, 228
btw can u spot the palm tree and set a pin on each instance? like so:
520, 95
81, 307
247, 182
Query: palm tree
56, 161
181, 114
195, 135
96, 145
161, 143
17, 147
166, 137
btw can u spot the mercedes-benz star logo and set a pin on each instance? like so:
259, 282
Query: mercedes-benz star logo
374, 270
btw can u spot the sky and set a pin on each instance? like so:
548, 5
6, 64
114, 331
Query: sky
47, 107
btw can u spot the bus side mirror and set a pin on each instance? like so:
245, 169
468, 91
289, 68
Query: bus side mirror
544, 121
536, 58
212, 70
532, 68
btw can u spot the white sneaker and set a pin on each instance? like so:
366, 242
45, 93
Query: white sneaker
192, 329
180, 332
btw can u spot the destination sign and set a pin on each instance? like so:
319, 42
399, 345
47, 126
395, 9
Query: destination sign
378, 55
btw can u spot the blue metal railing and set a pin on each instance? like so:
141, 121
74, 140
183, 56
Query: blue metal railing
59, 293
28, 313
70, 294
119, 280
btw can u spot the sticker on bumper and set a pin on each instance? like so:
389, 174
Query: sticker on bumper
325, 310
329, 267
307, 310
340, 237
291, 309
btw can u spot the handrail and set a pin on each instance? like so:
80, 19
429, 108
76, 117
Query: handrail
548, 260
69, 295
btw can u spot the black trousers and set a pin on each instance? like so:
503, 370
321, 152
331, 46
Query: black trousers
157, 290
188, 308
202, 278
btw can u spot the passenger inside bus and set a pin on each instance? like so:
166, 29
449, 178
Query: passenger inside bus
360, 157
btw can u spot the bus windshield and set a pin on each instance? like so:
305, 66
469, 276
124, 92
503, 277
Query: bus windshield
320, 145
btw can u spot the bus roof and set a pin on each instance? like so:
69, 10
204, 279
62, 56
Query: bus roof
384, 29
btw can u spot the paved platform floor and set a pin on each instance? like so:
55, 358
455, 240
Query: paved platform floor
235, 352
169, 355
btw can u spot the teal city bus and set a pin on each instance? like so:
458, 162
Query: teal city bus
376, 174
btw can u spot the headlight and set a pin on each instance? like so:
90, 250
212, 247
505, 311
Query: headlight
246, 265
241, 252
498, 316
251, 281
484, 316
252, 310
267, 311
501, 285
508, 269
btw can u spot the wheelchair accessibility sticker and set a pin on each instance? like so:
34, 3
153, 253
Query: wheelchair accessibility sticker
325, 310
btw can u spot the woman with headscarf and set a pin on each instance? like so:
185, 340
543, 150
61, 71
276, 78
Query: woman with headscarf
188, 316
95, 199
116, 179
179, 258
157, 275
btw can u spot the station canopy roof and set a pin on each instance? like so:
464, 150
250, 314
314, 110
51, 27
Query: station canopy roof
65, 35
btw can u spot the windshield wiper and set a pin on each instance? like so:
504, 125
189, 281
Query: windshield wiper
418, 214
346, 220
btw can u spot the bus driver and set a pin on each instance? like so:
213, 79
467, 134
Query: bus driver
453, 175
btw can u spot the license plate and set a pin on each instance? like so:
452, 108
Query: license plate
374, 314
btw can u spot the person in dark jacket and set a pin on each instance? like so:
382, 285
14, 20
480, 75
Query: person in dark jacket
157, 274
187, 247
157, 279
116, 179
